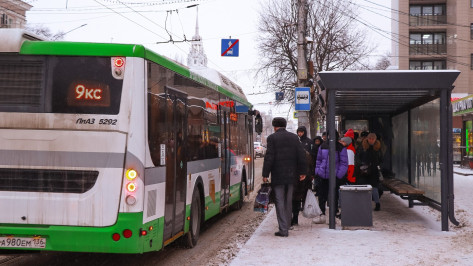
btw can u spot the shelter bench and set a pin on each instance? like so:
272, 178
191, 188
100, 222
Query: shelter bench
404, 190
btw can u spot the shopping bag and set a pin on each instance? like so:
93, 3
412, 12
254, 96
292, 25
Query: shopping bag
262, 199
311, 206
267, 187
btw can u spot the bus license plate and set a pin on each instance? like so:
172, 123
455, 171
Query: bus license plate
22, 242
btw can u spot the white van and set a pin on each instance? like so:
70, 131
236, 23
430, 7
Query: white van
259, 149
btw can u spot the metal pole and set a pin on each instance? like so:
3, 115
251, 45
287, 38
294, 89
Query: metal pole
332, 139
443, 160
302, 116
451, 194
409, 150
64, 34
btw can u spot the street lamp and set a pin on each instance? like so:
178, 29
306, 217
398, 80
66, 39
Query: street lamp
64, 34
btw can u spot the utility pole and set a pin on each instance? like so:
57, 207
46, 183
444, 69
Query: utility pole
303, 116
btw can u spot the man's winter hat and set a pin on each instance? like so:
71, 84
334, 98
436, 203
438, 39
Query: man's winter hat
364, 134
279, 122
347, 140
350, 133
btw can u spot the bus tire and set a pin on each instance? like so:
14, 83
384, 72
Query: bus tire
195, 219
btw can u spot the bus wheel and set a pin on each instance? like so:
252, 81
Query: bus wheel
195, 219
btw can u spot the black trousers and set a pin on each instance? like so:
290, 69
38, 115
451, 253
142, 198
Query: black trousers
324, 191
296, 208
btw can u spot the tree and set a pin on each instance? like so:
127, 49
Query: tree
383, 63
338, 44
45, 32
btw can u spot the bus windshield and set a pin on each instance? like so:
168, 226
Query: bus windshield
59, 84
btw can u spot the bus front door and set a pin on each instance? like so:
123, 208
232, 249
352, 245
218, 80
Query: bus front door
176, 164
225, 165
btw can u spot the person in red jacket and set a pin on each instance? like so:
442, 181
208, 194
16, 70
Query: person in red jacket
351, 156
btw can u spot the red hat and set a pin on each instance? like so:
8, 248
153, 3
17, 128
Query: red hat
350, 133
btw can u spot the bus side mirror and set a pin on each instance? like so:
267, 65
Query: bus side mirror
258, 124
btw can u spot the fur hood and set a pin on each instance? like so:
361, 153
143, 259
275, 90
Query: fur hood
366, 145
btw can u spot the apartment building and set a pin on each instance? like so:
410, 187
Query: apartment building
438, 34
13, 13
434, 34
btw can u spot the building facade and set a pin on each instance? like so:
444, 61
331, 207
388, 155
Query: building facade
13, 13
434, 34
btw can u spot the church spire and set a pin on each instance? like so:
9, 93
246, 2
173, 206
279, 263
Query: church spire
196, 55
196, 35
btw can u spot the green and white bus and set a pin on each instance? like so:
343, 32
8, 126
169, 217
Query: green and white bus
114, 148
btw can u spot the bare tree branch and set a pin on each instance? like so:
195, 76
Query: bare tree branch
44, 31
338, 42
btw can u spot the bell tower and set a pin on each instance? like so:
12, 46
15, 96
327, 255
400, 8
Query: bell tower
196, 57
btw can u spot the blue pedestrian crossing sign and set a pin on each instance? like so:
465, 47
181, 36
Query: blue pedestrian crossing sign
302, 98
230, 47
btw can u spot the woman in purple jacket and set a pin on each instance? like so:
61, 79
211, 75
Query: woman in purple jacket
322, 171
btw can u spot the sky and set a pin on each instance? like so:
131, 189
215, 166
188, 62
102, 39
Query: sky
151, 21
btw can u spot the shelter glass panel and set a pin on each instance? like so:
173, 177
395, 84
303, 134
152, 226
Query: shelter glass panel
357, 125
400, 148
425, 149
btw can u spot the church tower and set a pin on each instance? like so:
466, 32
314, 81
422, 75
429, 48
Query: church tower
196, 57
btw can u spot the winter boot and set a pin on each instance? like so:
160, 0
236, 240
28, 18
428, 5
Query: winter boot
378, 207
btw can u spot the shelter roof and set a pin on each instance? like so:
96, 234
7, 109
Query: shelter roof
385, 92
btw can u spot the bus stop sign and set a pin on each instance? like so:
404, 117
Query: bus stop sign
302, 98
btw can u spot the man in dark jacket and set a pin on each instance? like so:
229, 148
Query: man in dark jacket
285, 160
369, 158
301, 187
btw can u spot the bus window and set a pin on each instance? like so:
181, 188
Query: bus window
60, 84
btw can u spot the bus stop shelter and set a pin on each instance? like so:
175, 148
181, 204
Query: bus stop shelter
412, 112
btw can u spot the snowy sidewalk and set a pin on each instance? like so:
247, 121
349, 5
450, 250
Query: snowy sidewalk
399, 236
462, 170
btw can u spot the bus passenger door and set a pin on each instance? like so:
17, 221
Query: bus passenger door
225, 165
176, 164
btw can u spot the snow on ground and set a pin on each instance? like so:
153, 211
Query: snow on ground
399, 236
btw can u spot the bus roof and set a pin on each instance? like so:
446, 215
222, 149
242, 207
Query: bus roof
225, 87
